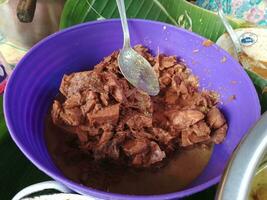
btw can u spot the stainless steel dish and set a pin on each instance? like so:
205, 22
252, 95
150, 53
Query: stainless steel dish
238, 177
46, 21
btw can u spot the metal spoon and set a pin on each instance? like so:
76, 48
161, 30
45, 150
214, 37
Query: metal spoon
134, 67
237, 46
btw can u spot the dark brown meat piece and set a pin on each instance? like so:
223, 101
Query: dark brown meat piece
88, 106
108, 64
185, 140
106, 135
104, 98
145, 53
139, 121
108, 114
139, 159
55, 113
76, 82
184, 118
114, 87
215, 118
165, 79
141, 134
164, 137
171, 96
90, 131
201, 129
206, 100
120, 137
149, 155
168, 61
141, 102
219, 135
197, 139
71, 117
156, 154
73, 101
112, 151
190, 138
113, 120
89, 100
163, 62
135, 146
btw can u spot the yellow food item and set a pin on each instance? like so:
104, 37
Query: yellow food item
259, 185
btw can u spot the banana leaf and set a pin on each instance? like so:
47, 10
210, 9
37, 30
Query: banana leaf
3, 1
3, 129
177, 12
261, 87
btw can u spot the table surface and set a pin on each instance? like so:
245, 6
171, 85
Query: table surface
17, 172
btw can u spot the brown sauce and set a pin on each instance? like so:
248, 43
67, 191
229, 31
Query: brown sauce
178, 170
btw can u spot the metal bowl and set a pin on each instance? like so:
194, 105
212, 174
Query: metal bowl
246, 160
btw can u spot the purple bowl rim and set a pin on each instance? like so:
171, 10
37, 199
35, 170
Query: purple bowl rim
94, 192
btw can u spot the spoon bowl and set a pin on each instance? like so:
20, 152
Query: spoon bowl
138, 71
134, 67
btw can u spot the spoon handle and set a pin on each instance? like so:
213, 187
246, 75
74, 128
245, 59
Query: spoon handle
122, 11
229, 28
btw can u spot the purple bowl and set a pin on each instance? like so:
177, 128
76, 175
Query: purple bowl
36, 79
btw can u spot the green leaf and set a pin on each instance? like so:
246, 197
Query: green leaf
3, 1
17, 172
3, 129
176, 12
261, 87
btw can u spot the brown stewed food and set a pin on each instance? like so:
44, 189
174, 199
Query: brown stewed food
112, 120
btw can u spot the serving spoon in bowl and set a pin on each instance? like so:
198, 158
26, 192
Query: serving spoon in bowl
134, 67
